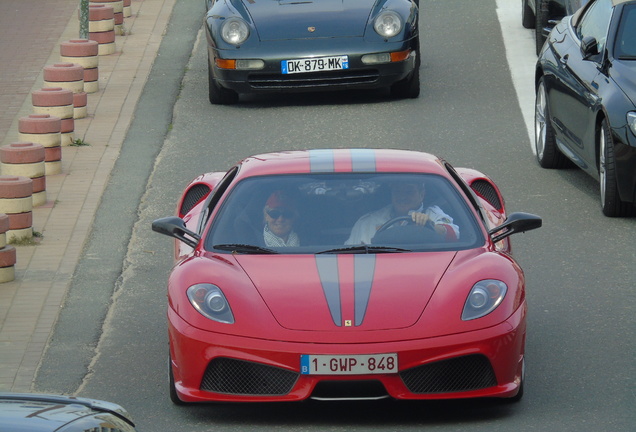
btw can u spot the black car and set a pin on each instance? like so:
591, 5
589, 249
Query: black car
276, 46
586, 99
26, 412
541, 15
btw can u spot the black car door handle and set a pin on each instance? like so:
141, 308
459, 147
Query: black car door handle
564, 59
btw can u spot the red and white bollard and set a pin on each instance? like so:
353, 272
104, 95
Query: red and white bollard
57, 102
44, 129
80, 105
118, 13
101, 27
8, 256
16, 201
26, 159
84, 52
127, 8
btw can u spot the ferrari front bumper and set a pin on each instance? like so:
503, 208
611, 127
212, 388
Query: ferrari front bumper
219, 367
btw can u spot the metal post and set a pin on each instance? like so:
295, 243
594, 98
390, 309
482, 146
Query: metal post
83, 33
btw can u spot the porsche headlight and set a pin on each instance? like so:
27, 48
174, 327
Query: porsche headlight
485, 296
387, 24
235, 31
631, 121
209, 300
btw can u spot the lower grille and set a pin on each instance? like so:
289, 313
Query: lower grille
467, 373
238, 377
349, 390
310, 80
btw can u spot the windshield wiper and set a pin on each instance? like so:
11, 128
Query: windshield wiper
244, 248
365, 249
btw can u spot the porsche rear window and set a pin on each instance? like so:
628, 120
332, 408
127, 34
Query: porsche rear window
314, 213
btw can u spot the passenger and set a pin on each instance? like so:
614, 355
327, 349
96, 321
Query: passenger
406, 200
280, 214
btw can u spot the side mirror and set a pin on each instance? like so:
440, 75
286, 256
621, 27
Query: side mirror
589, 47
516, 222
173, 226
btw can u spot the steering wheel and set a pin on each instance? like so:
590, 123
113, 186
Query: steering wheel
408, 219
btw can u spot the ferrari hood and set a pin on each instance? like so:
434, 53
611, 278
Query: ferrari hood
303, 19
367, 292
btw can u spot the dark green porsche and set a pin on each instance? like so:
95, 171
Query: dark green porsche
311, 45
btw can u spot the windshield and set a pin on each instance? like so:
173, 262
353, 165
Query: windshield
625, 47
343, 213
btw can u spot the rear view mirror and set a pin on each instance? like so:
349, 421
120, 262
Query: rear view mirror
173, 226
516, 222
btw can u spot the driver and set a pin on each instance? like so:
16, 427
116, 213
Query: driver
406, 200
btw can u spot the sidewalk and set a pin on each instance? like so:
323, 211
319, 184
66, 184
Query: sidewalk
30, 34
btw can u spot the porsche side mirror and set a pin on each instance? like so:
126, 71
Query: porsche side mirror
173, 226
516, 222
589, 47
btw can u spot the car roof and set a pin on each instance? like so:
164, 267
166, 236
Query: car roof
341, 161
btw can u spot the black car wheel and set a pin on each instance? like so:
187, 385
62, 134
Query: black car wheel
611, 203
219, 95
541, 22
527, 16
548, 154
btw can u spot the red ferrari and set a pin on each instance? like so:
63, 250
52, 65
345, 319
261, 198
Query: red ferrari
345, 274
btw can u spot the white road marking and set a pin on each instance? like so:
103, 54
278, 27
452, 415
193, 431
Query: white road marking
520, 52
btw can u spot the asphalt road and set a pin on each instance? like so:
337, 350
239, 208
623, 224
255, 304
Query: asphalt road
111, 340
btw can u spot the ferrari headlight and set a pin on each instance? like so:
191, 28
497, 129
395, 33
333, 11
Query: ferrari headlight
485, 296
387, 24
209, 300
235, 31
631, 121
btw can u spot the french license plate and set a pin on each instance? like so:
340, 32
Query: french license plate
316, 64
359, 364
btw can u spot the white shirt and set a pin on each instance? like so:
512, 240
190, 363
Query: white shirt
366, 227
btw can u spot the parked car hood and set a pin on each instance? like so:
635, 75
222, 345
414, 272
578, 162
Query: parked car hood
365, 291
624, 73
295, 19
39, 412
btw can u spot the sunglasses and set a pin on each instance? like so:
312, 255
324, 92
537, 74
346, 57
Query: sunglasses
286, 214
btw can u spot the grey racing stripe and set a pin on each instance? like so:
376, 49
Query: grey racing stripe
363, 160
328, 272
321, 160
364, 268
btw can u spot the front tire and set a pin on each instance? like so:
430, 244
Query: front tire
611, 203
219, 95
527, 16
541, 22
548, 154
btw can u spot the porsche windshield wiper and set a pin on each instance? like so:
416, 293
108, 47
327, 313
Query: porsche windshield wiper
365, 249
244, 248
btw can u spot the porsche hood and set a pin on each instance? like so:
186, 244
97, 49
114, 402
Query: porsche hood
303, 19
366, 292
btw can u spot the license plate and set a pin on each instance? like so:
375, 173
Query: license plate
316, 64
360, 364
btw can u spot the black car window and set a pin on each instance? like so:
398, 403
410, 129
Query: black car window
324, 209
595, 23
625, 48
